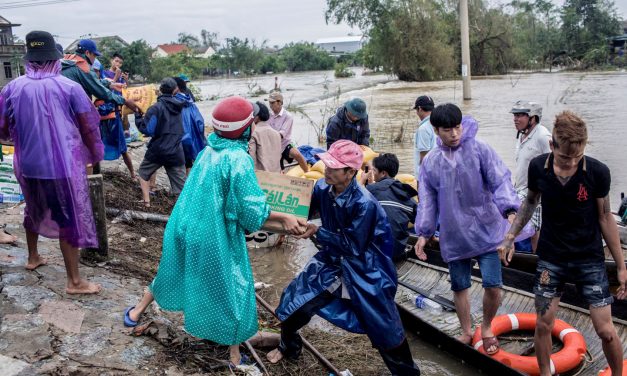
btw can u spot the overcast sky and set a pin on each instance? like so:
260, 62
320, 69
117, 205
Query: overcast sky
159, 21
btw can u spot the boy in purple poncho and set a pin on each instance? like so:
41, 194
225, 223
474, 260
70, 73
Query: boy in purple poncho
465, 182
52, 147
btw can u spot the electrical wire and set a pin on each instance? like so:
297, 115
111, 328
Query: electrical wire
24, 4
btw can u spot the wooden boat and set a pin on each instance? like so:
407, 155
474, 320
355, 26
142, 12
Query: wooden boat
442, 328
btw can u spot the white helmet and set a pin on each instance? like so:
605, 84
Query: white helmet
527, 107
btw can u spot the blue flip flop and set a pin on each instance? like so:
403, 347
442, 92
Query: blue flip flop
128, 322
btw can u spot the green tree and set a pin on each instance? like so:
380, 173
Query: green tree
137, 56
586, 25
175, 64
189, 40
303, 56
407, 37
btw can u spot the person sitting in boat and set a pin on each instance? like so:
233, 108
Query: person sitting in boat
204, 269
351, 281
394, 197
576, 217
532, 140
466, 184
350, 122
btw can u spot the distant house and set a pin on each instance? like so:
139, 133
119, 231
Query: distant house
71, 48
341, 45
10, 53
165, 50
204, 52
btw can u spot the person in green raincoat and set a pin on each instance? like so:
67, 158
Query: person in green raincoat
204, 269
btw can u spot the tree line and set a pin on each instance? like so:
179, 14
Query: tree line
420, 39
232, 56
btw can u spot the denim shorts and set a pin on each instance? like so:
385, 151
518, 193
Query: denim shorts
489, 265
590, 279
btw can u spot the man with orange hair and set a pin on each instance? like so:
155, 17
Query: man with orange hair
576, 217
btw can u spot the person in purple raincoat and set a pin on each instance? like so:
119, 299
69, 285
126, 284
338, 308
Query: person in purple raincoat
54, 127
465, 183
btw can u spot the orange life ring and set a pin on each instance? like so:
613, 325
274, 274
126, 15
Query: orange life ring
608, 372
564, 360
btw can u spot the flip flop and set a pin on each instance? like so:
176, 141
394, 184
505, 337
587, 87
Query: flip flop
490, 342
128, 322
244, 360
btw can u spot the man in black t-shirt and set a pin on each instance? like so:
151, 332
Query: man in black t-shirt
576, 217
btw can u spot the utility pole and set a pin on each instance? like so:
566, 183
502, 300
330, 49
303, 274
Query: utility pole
463, 20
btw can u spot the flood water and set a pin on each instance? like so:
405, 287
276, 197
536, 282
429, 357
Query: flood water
598, 97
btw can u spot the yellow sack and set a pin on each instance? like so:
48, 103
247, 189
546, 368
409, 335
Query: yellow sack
358, 177
407, 179
369, 154
296, 172
318, 166
313, 175
143, 96
7, 150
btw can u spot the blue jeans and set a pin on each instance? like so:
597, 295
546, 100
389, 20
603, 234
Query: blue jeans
489, 265
589, 278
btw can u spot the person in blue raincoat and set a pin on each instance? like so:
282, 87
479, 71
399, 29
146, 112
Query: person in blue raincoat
351, 282
465, 183
193, 125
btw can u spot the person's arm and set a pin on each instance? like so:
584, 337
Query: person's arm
427, 214
252, 147
95, 88
286, 129
525, 212
333, 132
353, 240
5, 136
365, 140
147, 124
609, 229
88, 121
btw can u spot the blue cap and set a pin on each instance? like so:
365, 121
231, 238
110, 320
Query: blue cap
357, 107
184, 77
89, 45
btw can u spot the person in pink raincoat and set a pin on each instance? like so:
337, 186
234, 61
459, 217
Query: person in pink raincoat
54, 127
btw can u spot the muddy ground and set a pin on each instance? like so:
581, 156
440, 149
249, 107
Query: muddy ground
45, 331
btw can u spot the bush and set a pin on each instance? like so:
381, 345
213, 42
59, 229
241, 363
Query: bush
342, 71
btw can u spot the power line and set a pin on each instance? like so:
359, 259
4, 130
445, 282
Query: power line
23, 4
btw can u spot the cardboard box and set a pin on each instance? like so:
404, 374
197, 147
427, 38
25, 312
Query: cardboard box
285, 194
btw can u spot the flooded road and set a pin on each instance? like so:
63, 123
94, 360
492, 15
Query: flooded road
598, 97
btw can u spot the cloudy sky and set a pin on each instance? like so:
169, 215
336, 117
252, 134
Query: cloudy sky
159, 21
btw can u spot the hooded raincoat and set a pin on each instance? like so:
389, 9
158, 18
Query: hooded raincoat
55, 130
204, 269
357, 250
193, 127
470, 189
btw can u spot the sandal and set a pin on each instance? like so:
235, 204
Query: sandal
491, 342
128, 322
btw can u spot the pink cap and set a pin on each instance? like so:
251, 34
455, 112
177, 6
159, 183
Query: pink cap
343, 153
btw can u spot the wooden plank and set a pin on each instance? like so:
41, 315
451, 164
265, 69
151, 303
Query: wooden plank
96, 194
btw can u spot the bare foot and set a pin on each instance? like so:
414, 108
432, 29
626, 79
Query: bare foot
35, 263
275, 356
465, 339
7, 238
83, 287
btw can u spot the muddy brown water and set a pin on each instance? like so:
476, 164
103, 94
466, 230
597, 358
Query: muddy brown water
599, 97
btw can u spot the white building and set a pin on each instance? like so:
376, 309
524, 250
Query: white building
205, 52
341, 45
